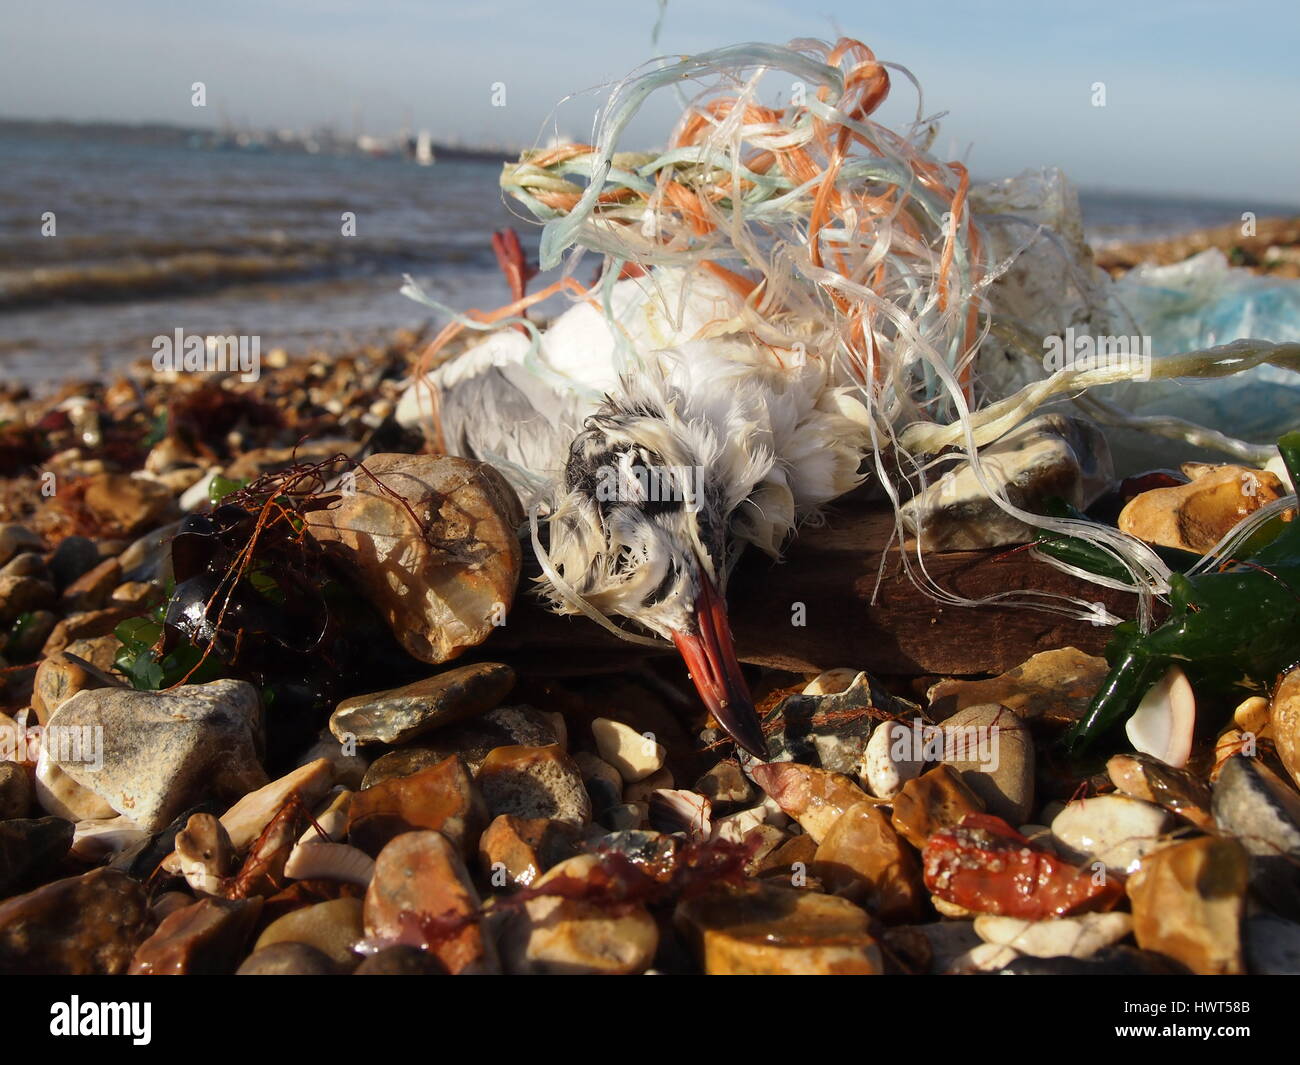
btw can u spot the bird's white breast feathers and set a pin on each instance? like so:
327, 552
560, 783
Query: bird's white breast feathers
768, 422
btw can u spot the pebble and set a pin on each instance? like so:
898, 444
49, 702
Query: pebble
1272, 946
1109, 961
766, 929
401, 960
602, 781
204, 854
401, 714
889, 761
1262, 810
791, 856
16, 539
288, 959
347, 769
1116, 830
983, 958
59, 794
831, 731
22, 595
74, 556
84, 625
86, 925
445, 588
205, 939
627, 815
31, 849
92, 589
163, 751
422, 896
1151, 780
515, 851
733, 828
334, 928
831, 681
1188, 900
1056, 686
1197, 515
814, 797
59, 678
863, 859
726, 785
1284, 721
16, 791
1074, 937
128, 506
933, 947
634, 756
472, 741
992, 750
938, 798
442, 797
562, 936
643, 789
534, 782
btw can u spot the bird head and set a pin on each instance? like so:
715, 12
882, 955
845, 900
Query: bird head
641, 531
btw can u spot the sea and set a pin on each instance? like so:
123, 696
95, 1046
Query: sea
107, 242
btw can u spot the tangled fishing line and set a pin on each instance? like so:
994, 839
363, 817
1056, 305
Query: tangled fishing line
847, 241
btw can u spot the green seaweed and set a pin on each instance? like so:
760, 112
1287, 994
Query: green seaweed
1233, 631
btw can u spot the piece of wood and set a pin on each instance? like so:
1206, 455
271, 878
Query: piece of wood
831, 571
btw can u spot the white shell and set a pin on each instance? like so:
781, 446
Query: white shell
329, 861
1162, 724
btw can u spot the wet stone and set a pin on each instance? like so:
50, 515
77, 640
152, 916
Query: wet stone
863, 859
1188, 900
205, 939
15, 791
401, 714
422, 896
84, 925
1254, 804
937, 799
515, 851
334, 928
764, 929
831, 731
441, 797
472, 741
444, 584
813, 797
534, 782
30, 850
992, 750
288, 959
163, 751
401, 961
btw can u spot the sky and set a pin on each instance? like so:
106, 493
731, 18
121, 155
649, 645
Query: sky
1200, 97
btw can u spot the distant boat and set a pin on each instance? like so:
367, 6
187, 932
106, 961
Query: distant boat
424, 148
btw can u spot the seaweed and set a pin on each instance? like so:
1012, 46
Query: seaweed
1233, 630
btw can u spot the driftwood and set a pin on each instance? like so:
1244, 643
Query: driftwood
826, 581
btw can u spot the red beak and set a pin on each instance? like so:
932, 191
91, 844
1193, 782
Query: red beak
710, 657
